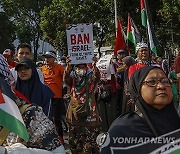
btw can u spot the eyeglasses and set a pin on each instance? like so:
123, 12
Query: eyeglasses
153, 82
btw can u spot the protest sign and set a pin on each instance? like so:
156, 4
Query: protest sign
103, 65
80, 43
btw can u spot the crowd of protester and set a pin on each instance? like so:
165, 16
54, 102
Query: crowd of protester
143, 99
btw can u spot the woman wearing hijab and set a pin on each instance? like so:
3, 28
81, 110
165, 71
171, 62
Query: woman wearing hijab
29, 84
43, 137
127, 105
84, 122
155, 116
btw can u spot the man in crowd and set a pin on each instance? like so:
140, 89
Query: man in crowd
24, 51
9, 55
119, 67
143, 58
53, 78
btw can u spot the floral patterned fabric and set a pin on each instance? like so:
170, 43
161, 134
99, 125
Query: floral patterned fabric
42, 131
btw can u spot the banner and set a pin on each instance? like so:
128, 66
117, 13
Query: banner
80, 43
104, 67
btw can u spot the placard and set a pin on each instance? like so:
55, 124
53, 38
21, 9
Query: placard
80, 43
103, 65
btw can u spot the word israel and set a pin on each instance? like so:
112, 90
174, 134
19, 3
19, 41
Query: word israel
138, 140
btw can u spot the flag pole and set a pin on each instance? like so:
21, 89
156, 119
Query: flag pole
147, 32
115, 15
127, 33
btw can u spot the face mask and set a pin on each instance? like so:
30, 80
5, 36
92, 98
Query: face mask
63, 64
80, 72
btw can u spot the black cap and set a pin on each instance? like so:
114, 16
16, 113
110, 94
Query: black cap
120, 51
28, 63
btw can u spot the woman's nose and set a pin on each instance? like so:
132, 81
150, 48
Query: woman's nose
160, 85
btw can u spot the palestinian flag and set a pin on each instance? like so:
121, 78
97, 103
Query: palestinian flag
143, 13
147, 22
10, 116
120, 40
133, 34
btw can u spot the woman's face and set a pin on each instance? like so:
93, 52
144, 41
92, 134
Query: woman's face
24, 73
157, 95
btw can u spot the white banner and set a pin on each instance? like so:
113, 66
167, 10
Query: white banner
80, 43
103, 65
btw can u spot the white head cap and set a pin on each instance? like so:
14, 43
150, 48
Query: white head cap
141, 45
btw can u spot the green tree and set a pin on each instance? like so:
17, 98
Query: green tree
25, 14
61, 12
169, 23
24, 32
7, 32
30, 17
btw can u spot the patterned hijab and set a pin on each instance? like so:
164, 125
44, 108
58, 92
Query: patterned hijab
4, 70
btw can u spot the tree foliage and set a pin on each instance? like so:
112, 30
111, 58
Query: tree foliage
7, 32
25, 14
49, 18
61, 12
169, 23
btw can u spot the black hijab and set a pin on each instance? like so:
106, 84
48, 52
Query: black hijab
128, 60
154, 123
34, 89
162, 121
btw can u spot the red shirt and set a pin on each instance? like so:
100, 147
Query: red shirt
135, 67
177, 64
